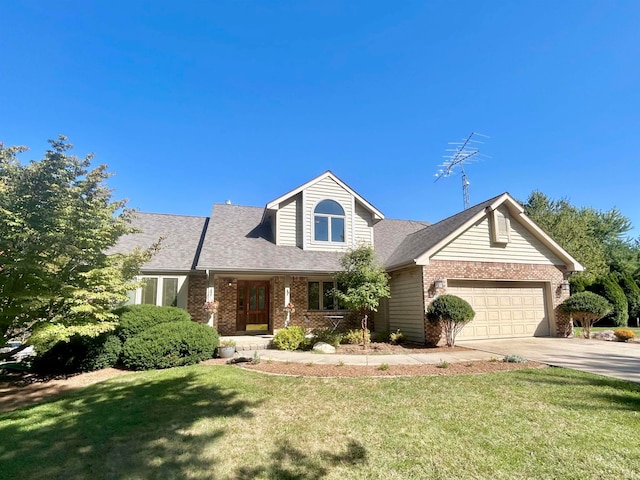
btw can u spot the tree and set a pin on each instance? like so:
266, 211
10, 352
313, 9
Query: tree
452, 313
608, 288
586, 308
632, 291
362, 283
57, 221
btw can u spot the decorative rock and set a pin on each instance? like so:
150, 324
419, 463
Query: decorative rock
606, 335
324, 348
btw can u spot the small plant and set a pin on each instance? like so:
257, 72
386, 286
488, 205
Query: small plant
442, 364
493, 359
514, 359
227, 343
289, 338
269, 361
256, 358
354, 337
309, 364
396, 338
383, 367
624, 335
341, 363
468, 364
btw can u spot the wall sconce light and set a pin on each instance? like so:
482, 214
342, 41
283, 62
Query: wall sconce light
565, 287
438, 284
229, 282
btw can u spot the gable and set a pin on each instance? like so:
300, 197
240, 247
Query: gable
486, 242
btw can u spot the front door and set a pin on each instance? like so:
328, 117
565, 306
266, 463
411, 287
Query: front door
253, 307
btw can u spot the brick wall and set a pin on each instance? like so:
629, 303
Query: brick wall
442, 270
196, 296
226, 293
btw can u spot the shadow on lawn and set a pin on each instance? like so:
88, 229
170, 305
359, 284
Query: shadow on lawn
610, 392
290, 463
140, 429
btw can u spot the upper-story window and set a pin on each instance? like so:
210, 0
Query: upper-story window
328, 221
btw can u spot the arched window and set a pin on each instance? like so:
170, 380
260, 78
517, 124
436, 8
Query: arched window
328, 221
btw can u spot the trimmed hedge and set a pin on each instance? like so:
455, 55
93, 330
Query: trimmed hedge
450, 307
169, 345
79, 354
608, 288
135, 319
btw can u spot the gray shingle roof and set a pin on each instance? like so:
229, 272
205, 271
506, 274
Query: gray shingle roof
389, 233
236, 241
179, 247
419, 242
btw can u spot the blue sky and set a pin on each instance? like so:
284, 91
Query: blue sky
197, 102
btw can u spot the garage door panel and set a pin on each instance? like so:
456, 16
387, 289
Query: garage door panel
503, 309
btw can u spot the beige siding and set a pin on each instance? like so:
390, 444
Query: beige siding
381, 317
475, 245
363, 226
406, 305
289, 222
327, 189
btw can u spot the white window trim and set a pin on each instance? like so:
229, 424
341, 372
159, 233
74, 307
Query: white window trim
328, 216
138, 296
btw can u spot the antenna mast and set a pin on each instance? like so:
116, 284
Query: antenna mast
461, 153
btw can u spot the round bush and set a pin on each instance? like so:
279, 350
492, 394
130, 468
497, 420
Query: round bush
137, 318
289, 338
586, 305
79, 354
624, 335
450, 308
169, 345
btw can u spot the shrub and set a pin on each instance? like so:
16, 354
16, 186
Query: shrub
289, 338
586, 308
514, 359
623, 335
354, 337
608, 288
453, 313
79, 354
397, 337
137, 318
327, 335
384, 367
382, 336
632, 291
169, 345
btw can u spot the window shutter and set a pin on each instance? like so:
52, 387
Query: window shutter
501, 227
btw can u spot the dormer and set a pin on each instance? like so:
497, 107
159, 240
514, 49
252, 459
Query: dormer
323, 214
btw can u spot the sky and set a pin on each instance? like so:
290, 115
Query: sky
192, 103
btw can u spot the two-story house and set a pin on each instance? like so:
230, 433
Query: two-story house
254, 261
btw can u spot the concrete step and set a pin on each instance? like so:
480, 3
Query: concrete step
250, 342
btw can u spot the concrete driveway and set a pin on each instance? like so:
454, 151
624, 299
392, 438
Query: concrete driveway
612, 359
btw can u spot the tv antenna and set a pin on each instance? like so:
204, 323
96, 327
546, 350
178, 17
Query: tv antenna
461, 153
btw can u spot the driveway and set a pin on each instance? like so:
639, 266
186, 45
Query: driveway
612, 359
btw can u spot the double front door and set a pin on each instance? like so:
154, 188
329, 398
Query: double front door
252, 307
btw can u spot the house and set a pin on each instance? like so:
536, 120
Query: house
254, 261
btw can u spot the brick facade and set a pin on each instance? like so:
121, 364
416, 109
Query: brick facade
461, 270
226, 293
196, 296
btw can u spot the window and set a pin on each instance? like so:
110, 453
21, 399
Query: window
161, 291
320, 296
328, 222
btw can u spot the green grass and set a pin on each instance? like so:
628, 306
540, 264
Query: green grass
224, 423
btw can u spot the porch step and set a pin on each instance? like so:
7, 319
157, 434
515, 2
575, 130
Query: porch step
250, 342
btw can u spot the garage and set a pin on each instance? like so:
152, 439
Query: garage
503, 309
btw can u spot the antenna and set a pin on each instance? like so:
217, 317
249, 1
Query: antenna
462, 152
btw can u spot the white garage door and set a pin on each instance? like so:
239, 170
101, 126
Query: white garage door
503, 309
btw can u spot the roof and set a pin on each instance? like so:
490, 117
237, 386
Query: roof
179, 247
417, 243
236, 240
389, 234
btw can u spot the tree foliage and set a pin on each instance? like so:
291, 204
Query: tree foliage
57, 221
586, 308
452, 313
608, 288
363, 282
632, 292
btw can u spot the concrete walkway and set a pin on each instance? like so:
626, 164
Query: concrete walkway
612, 359
374, 359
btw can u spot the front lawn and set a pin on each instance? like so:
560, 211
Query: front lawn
220, 422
